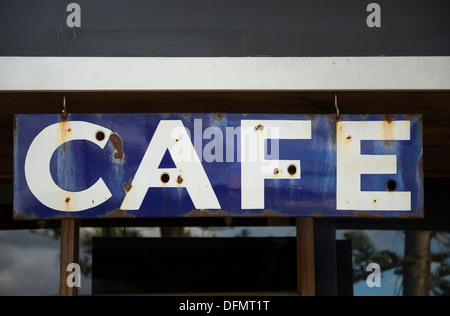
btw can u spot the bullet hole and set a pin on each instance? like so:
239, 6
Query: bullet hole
100, 136
259, 127
276, 171
68, 199
179, 180
391, 185
165, 178
292, 169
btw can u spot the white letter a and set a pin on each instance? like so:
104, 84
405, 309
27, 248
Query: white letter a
189, 172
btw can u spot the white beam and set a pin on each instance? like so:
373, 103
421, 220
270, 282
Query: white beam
227, 73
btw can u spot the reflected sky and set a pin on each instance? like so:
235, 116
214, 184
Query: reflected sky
29, 264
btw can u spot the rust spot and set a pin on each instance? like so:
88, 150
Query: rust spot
15, 124
180, 179
127, 187
260, 127
205, 213
117, 144
388, 118
375, 201
219, 116
63, 132
336, 118
414, 216
367, 215
349, 137
267, 213
22, 217
117, 214
64, 217
177, 140
65, 117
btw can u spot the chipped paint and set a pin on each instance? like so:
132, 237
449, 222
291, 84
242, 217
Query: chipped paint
266, 213
117, 144
368, 215
127, 186
205, 213
22, 217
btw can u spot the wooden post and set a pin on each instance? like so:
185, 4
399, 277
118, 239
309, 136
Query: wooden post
306, 276
70, 230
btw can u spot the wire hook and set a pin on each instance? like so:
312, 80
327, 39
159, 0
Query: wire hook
64, 111
336, 105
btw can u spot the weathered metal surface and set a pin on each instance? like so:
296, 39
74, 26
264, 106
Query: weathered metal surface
202, 165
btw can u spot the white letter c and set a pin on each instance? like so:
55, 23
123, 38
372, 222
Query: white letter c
37, 167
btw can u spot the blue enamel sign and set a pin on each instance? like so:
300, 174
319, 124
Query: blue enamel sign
181, 165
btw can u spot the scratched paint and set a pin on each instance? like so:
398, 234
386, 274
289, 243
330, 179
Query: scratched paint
305, 182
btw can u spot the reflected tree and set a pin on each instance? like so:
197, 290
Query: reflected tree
365, 252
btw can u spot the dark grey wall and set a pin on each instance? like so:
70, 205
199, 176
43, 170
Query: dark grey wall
219, 28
